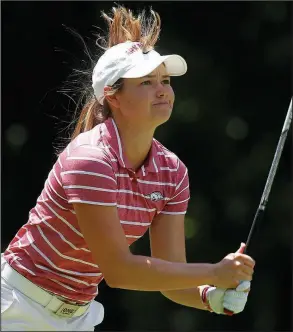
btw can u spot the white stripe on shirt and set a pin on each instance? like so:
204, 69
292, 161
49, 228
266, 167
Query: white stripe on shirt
165, 155
93, 136
91, 202
155, 165
121, 175
60, 234
89, 159
56, 177
89, 173
168, 169
60, 254
79, 281
89, 188
157, 183
51, 198
164, 212
135, 208
63, 285
172, 203
180, 192
135, 223
56, 267
182, 179
63, 219
13, 256
119, 142
93, 147
24, 268
50, 185
59, 162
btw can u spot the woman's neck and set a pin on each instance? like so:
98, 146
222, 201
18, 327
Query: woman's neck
136, 142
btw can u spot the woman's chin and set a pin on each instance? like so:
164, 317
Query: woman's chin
163, 115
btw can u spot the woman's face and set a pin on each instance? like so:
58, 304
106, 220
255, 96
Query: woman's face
147, 99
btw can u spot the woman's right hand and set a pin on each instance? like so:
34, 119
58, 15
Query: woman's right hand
233, 269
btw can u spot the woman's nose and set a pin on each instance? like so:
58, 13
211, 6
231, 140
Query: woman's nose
161, 90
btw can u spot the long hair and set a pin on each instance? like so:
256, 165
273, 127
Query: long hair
122, 26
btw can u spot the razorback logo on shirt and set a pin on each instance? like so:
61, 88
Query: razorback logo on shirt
155, 196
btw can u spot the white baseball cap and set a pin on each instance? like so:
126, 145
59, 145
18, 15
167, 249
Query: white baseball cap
127, 60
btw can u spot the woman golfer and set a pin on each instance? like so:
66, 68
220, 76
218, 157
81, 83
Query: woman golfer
111, 184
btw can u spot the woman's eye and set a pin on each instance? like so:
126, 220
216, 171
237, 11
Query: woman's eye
166, 81
146, 83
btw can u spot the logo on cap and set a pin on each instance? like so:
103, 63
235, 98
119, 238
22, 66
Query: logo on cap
134, 48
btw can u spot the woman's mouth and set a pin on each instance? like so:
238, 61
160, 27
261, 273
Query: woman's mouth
162, 103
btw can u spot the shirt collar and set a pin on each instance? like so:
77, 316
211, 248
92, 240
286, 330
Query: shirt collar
114, 142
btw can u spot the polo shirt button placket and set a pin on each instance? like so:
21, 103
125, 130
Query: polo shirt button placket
132, 176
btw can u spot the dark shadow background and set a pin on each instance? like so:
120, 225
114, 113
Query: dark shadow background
228, 115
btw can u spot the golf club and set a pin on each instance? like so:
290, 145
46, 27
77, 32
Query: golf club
265, 196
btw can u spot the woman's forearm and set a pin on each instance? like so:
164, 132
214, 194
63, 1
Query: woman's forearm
152, 274
187, 297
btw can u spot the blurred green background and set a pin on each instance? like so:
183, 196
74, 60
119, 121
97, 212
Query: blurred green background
225, 126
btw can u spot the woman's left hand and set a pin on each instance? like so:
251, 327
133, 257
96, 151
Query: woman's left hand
226, 301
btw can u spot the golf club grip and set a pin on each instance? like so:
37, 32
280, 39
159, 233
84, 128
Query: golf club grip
258, 216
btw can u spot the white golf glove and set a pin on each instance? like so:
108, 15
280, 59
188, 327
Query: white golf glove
226, 301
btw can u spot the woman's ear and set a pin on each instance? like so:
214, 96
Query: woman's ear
111, 98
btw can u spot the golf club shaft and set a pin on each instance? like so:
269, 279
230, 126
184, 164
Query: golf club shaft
271, 176
268, 185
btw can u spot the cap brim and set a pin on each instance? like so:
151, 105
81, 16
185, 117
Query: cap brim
175, 65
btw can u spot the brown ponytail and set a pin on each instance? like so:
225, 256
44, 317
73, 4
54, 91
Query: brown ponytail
88, 117
94, 113
122, 26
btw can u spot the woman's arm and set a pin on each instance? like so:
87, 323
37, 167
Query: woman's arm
104, 235
167, 236
168, 243
91, 186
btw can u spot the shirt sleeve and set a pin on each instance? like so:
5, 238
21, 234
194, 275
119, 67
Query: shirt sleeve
178, 204
88, 177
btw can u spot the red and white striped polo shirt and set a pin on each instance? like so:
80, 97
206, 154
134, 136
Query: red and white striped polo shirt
50, 249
